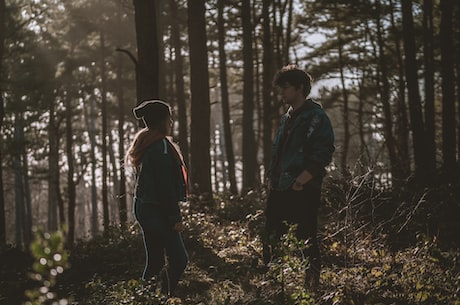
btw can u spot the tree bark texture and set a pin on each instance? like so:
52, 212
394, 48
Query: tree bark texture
456, 19
2, 115
18, 199
91, 123
179, 93
200, 101
22, 189
278, 15
250, 166
228, 142
267, 87
105, 200
415, 107
345, 110
402, 122
27, 192
448, 88
428, 56
385, 98
71, 184
287, 41
148, 51
122, 198
54, 194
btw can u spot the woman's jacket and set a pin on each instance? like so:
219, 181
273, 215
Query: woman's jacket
160, 181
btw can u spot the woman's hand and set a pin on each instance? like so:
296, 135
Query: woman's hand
297, 186
178, 227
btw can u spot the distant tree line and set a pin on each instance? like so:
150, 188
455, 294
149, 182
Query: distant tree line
387, 72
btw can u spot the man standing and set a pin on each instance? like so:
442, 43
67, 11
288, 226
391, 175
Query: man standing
302, 148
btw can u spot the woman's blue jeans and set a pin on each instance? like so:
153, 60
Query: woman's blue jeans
161, 241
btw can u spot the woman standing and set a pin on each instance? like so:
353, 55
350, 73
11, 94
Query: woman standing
161, 182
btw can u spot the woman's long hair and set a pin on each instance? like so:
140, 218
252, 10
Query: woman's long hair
142, 140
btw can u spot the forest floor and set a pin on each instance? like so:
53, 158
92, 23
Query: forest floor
225, 252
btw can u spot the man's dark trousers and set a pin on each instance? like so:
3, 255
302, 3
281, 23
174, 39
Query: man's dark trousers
300, 208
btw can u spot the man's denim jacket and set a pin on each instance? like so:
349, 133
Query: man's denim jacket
309, 146
160, 182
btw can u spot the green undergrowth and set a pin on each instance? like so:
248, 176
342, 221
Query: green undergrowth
224, 245
361, 262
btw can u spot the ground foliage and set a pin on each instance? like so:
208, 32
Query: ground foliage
377, 247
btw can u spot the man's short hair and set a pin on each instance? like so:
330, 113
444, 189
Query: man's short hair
294, 76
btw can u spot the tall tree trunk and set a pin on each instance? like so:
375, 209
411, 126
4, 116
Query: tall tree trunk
71, 184
122, 202
215, 146
402, 122
345, 111
200, 102
456, 19
23, 198
179, 81
27, 195
415, 107
278, 15
363, 148
428, 53
448, 89
113, 176
267, 76
105, 200
71, 188
148, 51
56, 212
91, 123
458, 102
228, 142
385, 98
257, 100
164, 71
2, 115
169, 78
18, 184
53, 164
287, 42
250, 166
